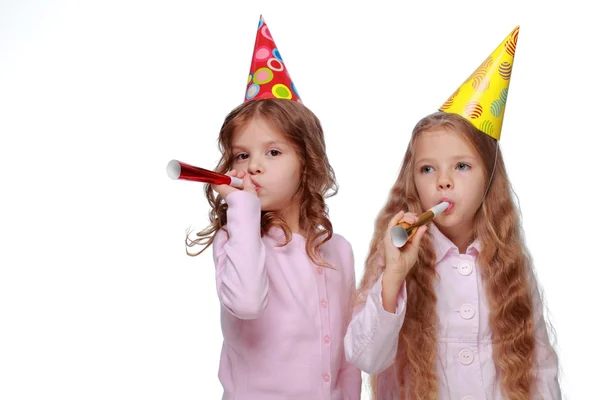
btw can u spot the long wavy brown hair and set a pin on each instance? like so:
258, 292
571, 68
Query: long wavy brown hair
505, 266
303, 129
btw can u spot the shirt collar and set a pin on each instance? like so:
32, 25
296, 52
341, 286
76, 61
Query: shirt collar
442, 245
277, 233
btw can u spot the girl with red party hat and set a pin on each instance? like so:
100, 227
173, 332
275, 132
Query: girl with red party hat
285, 280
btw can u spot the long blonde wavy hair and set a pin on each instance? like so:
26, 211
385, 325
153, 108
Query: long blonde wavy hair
303, 129
505, 266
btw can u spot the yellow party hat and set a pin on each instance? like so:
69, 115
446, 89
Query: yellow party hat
481, 99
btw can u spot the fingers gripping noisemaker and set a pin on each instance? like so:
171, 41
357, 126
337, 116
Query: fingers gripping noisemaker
403, 232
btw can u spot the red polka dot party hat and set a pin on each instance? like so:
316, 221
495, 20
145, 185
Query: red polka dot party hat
269, 78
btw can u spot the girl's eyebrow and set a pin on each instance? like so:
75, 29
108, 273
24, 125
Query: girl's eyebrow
267, 144
424, 160
455, 158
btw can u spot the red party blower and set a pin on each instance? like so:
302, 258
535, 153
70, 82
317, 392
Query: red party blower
179, 170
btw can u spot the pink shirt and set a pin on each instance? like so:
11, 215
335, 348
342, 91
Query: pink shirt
465, 366
283, 318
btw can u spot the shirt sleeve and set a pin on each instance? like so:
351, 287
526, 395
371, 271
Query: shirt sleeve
350, 378
239, 256
371, 342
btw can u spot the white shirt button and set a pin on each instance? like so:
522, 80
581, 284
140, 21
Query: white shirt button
465, 357
323, 303
320, 270
465, 268
467, 311
326, 377
327, 339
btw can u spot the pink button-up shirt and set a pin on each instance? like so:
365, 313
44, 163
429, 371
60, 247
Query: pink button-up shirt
465, 366
283, 318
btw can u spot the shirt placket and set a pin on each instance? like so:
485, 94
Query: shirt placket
468, 356
324, 308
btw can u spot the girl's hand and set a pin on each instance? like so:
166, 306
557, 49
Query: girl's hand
399, 262
248, 186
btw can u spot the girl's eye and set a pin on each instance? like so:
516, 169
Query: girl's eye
463, 166
241, 156
426, 169
274, 152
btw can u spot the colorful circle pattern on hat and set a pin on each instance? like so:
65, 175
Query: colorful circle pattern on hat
481, 99
262, 76
281, 91
262, 53
252, 91
268, 77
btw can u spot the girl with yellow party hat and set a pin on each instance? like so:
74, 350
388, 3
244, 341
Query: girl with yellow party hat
456, 312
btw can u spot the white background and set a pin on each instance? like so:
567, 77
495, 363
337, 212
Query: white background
98, 299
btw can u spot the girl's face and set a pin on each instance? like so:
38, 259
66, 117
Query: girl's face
447, 168
272, 162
